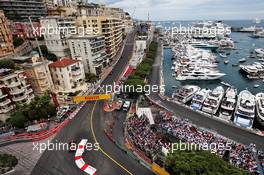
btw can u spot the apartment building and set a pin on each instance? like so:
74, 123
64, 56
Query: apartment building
91, 51
104, 21
38, 74
56, 31
6, 41
14, 90
20, 10
68, 75
24, 29
127, 23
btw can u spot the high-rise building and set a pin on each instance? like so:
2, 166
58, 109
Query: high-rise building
6, 41
105, 21
91, 51
68, 75
56, 30
20, 10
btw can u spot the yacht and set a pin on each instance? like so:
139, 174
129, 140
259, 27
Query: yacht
245, 109
200, 74
205, 46
248, 29
213, 100
259, 52
198, 99
260, 108
258, 34
185, 93
228, 104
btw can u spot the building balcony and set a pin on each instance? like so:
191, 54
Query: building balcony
13, 84
76, 72
3, 96
44, 84
6, 102
7, 109
42, 75
29, 91
20, 98
17, 91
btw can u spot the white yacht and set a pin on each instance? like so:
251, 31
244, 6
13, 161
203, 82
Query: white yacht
260, 108
228, 104
213, 100
259, 52
185, 93
198, 99
245, 109
200, 74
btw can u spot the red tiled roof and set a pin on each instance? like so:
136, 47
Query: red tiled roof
63, 62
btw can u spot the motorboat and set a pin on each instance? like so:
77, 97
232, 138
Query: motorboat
222, 55
225, 83
185, 93
256, 85
213, 100
260, 108
200, 74
242, 60
226, 61
228, 104
259, 52
198, 99
245, 109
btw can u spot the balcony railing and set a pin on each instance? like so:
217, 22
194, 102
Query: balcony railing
7, 109
76, 72
17, 91
6, 102
29, 91
20, 98
3, 96
13, 84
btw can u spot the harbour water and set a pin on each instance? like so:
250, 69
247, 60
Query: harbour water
244, 44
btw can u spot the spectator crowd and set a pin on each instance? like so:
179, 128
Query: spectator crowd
147, 139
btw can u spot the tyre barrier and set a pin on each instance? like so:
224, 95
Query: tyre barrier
79, 159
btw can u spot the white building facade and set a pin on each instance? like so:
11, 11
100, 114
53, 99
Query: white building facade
68, 75
56, 30
91, 51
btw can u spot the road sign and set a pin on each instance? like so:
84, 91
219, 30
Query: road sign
77, 99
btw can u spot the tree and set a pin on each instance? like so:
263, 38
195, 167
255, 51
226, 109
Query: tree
7, 160
39, 108
7, 64
91, 78
17, 41
44, 50
17, 119
197, 162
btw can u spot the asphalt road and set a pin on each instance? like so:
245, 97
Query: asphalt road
89, 124
229, 131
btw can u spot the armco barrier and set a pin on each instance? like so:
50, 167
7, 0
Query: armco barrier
79, 159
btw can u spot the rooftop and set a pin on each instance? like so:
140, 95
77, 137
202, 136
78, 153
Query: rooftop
64, 62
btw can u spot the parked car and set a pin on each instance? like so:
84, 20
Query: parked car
126, 106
